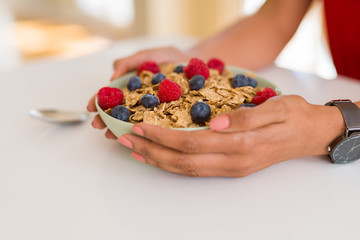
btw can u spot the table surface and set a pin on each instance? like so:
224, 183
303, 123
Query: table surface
70, 182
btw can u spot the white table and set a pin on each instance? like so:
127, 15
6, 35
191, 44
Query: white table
70, 182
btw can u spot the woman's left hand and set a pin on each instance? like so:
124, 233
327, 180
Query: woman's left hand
124, 65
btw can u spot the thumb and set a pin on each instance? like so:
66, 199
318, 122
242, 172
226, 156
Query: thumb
245, 119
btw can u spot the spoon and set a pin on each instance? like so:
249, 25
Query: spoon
59, 116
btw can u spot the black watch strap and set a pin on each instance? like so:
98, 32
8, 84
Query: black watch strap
351, 114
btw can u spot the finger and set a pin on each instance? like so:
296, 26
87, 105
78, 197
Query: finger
204, 141
160, 55
246, 119
91, 104
230, 165
164, 54
240, 170
124, 65
98, 122
120, 68
110, 135
164, 166
183, 163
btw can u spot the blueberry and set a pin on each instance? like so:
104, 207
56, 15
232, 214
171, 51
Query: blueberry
120, 112
149, 101
252, 82
134, 83
157, 78
248, 105
240, 80
179, 69
197, 82
200, 112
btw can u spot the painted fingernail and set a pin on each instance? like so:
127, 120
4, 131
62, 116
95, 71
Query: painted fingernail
124, 141
138, 130
138, 157
220, 123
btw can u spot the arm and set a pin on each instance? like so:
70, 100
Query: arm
251, 43
257, 40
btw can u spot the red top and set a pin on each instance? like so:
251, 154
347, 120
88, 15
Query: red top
343, 20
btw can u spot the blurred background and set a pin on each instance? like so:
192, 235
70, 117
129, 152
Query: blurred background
32, 30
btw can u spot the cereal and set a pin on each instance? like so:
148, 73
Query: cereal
217, 93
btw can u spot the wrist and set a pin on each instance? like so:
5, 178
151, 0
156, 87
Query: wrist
330, 125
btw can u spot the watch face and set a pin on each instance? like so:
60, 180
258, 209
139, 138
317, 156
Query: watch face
347, 150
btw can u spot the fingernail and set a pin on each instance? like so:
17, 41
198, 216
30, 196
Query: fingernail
138, 157
138, 130
220, 123
124, 141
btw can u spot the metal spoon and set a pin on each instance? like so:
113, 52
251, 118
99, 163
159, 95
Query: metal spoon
59, 116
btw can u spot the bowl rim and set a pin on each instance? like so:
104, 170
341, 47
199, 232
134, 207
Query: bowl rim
229, 67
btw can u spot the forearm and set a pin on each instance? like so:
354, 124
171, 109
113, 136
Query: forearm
257, 40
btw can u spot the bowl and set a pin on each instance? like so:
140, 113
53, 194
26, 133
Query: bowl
118, 127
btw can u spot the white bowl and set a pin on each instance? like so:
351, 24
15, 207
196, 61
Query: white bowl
119, 127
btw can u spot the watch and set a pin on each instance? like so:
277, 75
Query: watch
346, 147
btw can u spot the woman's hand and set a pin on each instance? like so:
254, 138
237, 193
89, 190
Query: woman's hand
241, 142
124, 65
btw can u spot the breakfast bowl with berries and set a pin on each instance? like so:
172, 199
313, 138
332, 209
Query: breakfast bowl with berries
180, 96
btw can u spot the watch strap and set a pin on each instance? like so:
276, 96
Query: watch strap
351, 114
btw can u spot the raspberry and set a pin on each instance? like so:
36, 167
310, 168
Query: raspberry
217, 64
263, 95
109, 97
196, 67
149, 66
169, 91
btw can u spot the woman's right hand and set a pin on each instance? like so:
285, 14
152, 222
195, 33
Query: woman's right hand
124, 65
